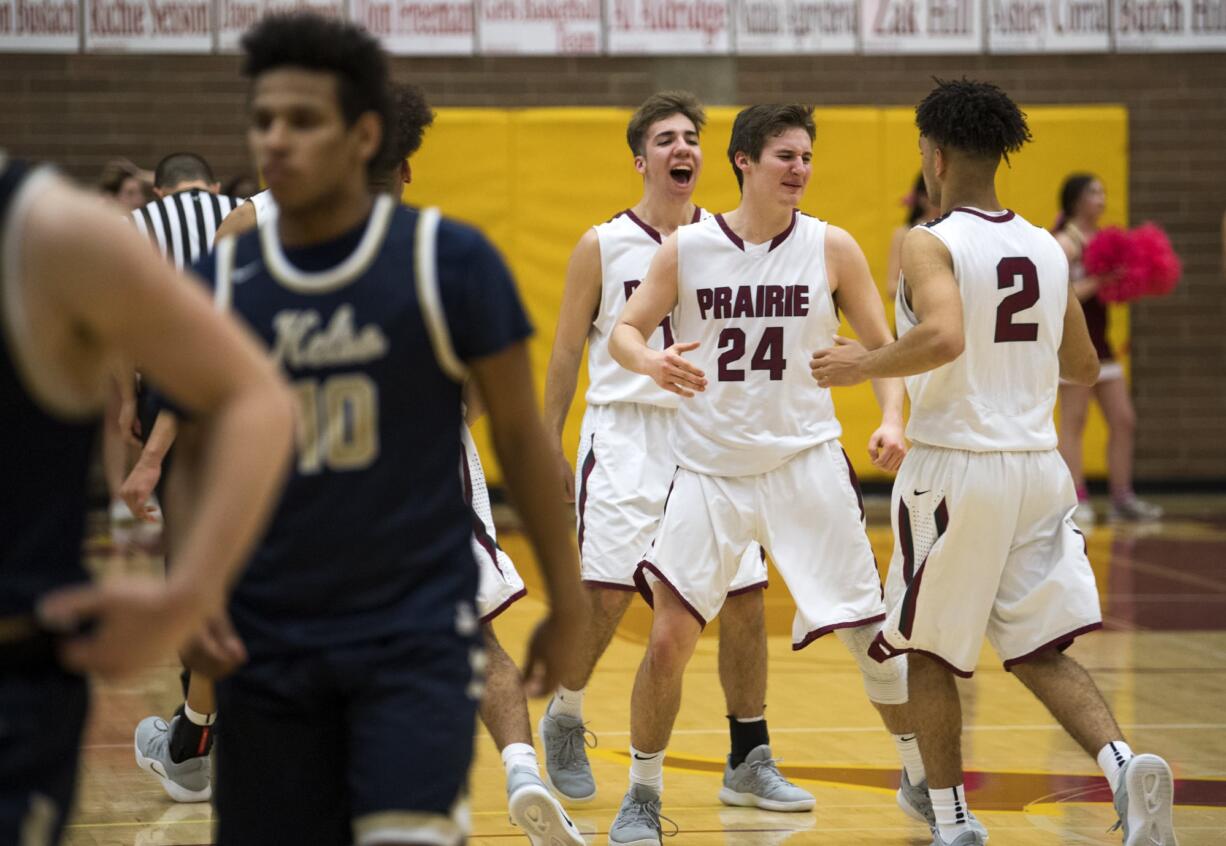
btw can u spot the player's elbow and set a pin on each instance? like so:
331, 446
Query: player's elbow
948, 345
1083, 372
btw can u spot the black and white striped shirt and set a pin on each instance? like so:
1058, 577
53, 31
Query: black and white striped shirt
182, 225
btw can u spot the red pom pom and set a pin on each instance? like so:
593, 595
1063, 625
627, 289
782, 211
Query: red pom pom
1106, 252
1138, 263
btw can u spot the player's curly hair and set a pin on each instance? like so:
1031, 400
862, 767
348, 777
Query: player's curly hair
975, 117
315, 43
657, 107
411, 117
754, 125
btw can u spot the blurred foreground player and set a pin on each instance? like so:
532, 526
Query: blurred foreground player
983, 504
353, 720
176, 753
81, 297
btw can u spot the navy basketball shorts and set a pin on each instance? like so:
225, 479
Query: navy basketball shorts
352, 745
42, 715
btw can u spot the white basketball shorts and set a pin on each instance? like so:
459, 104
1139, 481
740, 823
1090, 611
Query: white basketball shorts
622, 478
500, 584
806, 513
985, 543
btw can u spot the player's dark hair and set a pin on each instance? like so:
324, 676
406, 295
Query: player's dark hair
658, 107
411, 117
1075, 184
975, 117
178, 168
756, 124
915, 204
314, 43
114, 174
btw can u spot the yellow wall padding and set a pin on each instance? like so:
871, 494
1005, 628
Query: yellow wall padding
535, 179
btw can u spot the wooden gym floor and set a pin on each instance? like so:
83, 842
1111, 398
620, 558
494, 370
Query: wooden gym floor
1161, 662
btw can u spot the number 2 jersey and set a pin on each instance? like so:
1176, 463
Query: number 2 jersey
758, 312
999, 394
372, 536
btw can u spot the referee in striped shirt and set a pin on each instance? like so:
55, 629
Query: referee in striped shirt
183, 220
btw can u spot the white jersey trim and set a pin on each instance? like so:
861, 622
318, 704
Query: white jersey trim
428, 295
223, 291
335, 277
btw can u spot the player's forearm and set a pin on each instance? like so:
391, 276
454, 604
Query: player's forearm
628, 346
923, 348
561, 380
165, 430
523, 452
243, 460
889, 393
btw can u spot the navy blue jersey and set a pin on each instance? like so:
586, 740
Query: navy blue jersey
372, 536
44, 455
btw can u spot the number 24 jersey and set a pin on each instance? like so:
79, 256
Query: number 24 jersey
758, 312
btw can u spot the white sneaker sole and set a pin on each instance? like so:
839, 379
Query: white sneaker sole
1151, 793
534, 810
751, 800
175, 791
566, 799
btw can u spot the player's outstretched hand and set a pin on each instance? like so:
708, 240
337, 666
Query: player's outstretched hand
551, 645
673, 373
138, 488
216, 650
124, 624
568, 475
841, 364
888, 447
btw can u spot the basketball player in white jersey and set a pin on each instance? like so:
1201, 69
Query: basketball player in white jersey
752, 294
984, 537
625, 469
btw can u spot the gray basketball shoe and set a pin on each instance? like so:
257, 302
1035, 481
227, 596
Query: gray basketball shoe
917, 804
638, 820
1145, 792
186, 781
966, 838
566, 764
757, 783
533, 809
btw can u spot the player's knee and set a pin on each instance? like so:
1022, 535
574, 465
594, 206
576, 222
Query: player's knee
610, 604
1123, 421
885, 682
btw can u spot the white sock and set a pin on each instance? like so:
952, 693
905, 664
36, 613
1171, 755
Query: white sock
197, 718
1112, 759
567, 703
647, 768
519, 755
949, 805
908, 751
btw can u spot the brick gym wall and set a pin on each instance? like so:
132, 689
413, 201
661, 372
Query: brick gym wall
80, 110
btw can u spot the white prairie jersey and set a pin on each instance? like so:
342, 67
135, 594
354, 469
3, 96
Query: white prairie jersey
758, 312
627, 246
1000, 393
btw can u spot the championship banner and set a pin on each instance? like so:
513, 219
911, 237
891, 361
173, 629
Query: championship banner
237, 16
540, 27
1048, 26
52, 26
149, 26
921, 26
418, 27
669, 27
777, 27
1169, 25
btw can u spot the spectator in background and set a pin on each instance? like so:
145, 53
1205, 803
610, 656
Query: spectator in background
243, 185
919, 210
125, 182
1083, 199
